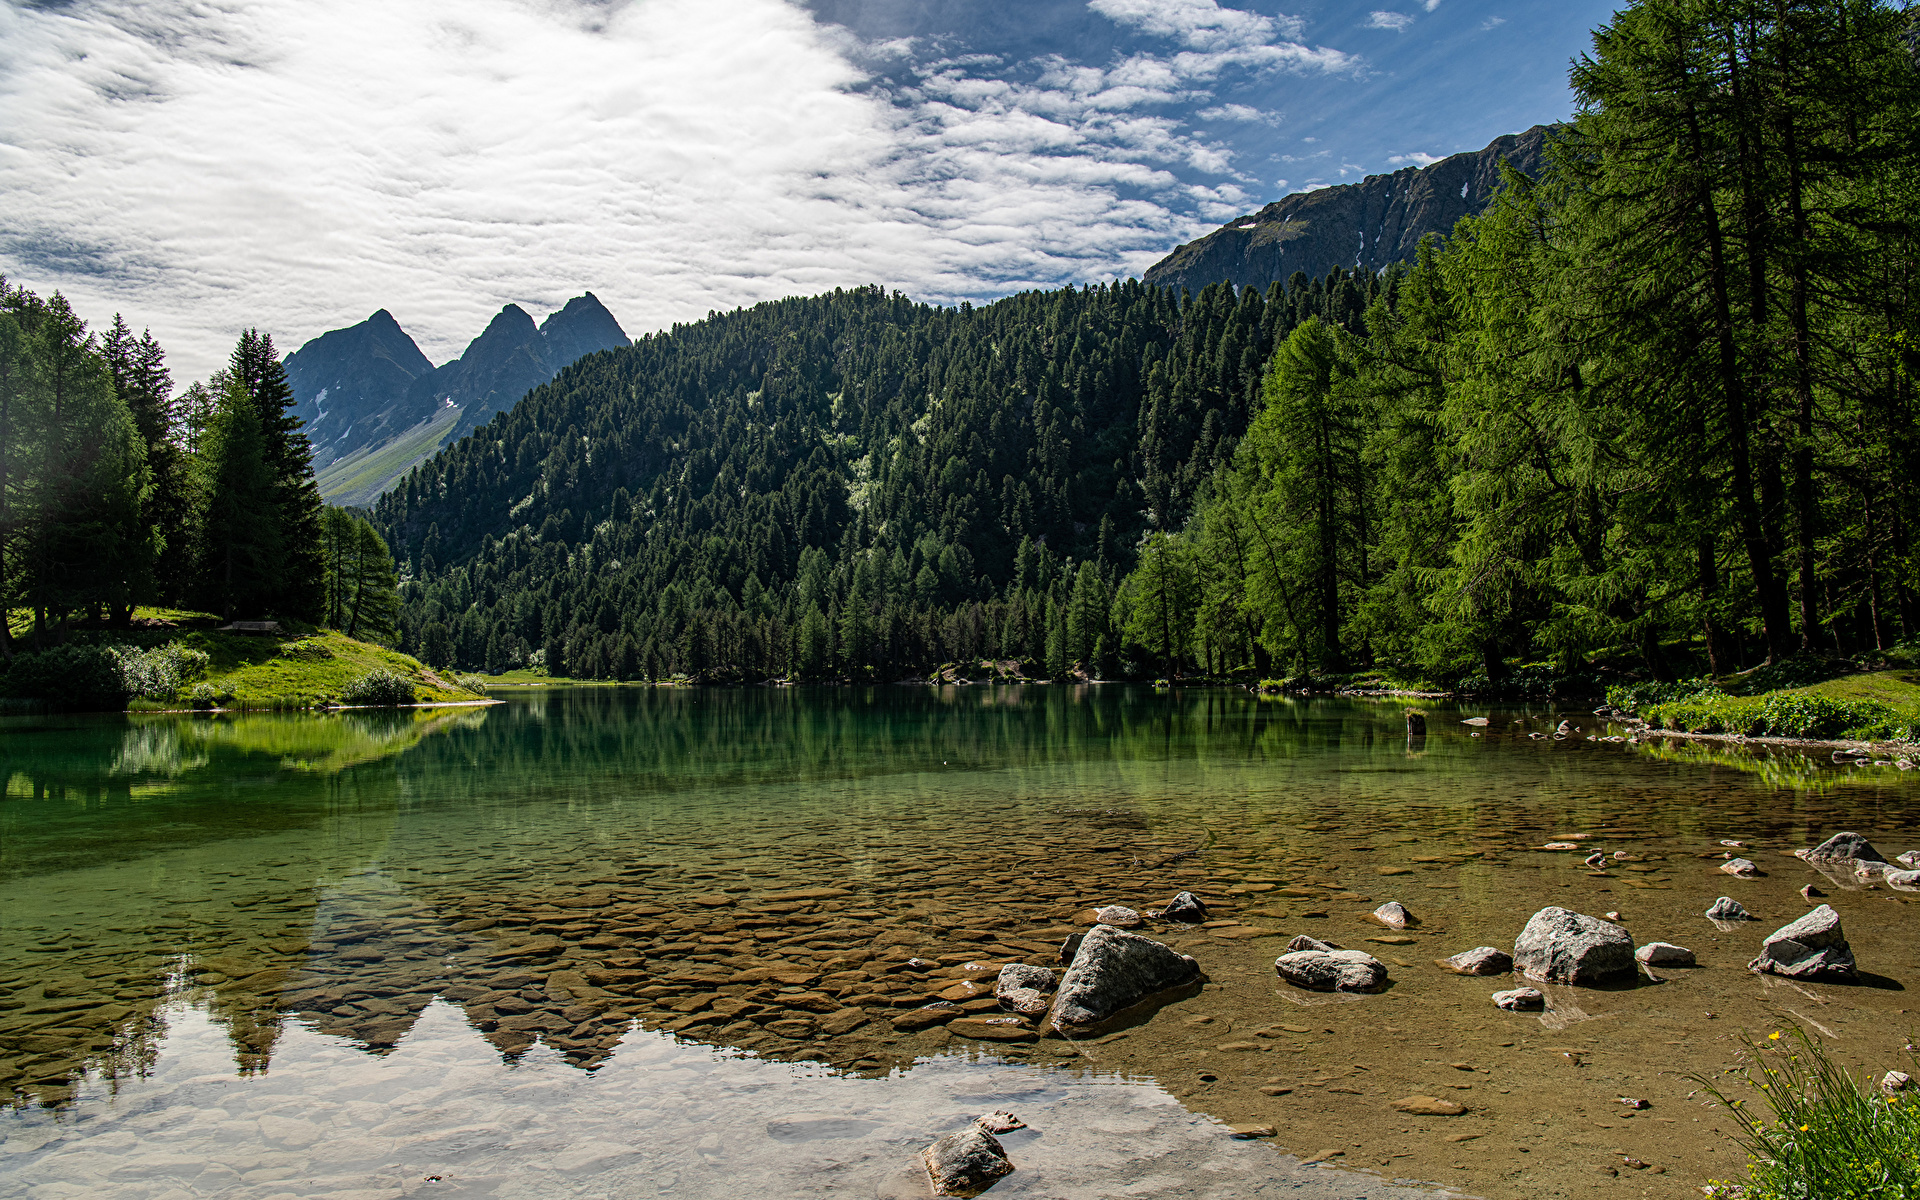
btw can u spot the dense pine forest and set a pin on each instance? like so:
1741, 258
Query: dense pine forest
1650, 414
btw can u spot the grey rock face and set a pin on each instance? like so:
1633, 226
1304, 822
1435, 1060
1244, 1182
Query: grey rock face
1184, 907
1664, 954
1332, 970
1814, 947
1114, 969
1394, 915
966, 1163
1844, 845
1726, 908
1481, 960
1359, 226
1562, 946
1023, 989
1520, 999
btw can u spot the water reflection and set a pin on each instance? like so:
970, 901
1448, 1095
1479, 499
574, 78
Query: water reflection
780, 873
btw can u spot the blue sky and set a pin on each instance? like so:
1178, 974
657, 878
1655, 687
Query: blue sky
205, 165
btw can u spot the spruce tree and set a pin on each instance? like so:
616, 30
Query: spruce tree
296, 507
241, 552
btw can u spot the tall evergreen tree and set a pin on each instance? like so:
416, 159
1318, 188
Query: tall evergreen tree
255, 367
241, 548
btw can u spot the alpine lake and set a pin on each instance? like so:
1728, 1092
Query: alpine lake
622, 942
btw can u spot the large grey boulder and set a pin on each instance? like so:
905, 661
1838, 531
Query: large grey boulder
1562, 946
1814, 947
1332, 970
1114, 969
966, 1163
1023, 988
1843, 846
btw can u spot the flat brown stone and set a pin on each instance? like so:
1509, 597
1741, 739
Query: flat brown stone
1429, 1106
992, 1029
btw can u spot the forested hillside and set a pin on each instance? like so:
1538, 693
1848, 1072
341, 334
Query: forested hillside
846, 485
1652, 411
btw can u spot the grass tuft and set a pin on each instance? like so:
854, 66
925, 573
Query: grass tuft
1813, 1132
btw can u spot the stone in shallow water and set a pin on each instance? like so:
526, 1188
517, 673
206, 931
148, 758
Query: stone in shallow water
966, 1163
1664, 954
1843, 846
1481, 960
1520, 999
1113, 970
1117, 915
1559, 945
1394, 915
1726, 908
1303, 942
1814, 947
992, 1029
1741, 867
1332, 970
1429, 1106
926, 1017
1185, 907
1023, 989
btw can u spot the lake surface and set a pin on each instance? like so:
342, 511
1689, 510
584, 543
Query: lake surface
651, 942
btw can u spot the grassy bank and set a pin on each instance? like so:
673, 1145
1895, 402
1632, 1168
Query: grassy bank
1789, 701
172, 660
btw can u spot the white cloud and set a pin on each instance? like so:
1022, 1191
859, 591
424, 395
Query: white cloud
1388, 20
1493, 22
1432, 4
1239, 112
1417, 158
296, 164
1200, 24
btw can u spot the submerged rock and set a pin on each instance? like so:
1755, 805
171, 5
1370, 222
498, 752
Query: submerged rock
1726, 908
1664, 954
1000, 1122
1740, 867
1520, 999
1332, 970
927, 1017
1185, 907
1562, 946
1303, 942
1481, 960
1114, 969
1394, 915
1429, 1106
966, 1163
1843, 846
1902, 881
1814, 947
1023, 988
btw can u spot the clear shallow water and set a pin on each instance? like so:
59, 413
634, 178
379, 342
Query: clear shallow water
545, 917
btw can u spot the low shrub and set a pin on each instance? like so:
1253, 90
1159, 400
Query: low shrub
1631, 696
209, 695
159, 673
1823, 1135
1788, 715
378, 688
476, 684
1793, 673
86, 677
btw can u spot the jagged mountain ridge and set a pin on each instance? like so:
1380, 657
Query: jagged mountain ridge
374, 405
1359, 226
350, 385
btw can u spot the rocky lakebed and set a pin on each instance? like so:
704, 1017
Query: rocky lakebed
1517, 999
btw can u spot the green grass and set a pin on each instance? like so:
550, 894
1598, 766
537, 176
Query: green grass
303, 668
370, 470
1865, 706
1813, 1132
